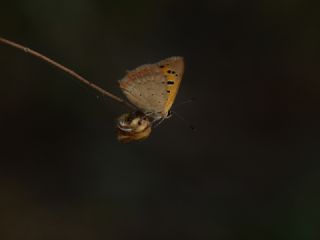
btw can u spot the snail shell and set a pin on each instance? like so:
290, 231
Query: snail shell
133, 127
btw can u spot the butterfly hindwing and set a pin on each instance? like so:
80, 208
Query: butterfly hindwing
153, 87
145, 87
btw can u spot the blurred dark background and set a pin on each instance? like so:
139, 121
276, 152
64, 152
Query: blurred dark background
250, 171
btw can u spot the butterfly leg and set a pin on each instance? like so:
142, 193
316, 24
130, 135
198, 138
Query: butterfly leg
157, 122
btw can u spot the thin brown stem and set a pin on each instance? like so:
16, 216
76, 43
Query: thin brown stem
65, 69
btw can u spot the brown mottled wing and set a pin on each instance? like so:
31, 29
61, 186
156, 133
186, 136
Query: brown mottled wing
145, 87
153, 87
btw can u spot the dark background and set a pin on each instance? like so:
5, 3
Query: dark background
250, 171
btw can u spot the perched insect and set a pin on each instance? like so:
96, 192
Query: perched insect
152, 89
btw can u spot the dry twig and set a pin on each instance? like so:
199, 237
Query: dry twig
65, 69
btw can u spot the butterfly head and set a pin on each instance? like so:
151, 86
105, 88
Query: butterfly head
169, 114
133, 126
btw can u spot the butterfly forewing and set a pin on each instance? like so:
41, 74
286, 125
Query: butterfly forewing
173, 69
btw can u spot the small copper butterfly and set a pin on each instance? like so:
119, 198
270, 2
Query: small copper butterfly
152, 89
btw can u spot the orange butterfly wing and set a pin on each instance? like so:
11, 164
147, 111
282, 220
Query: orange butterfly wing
173, 69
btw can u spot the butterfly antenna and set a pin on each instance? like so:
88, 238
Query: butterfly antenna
184, 102
184, 120
66, 70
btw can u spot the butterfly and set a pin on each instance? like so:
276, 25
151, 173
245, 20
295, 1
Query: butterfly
152, 89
